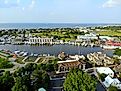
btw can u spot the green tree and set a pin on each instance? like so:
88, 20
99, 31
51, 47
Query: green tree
102, 76
78, 80
117, 52
39, 79
19, 86
112, 88
6, 81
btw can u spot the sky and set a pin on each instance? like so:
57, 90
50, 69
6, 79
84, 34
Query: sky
60, 11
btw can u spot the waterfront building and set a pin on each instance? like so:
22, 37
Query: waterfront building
39, 40
100, 59
17, 40
112, 43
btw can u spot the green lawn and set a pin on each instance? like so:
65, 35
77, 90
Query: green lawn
31, 59
19, 60
109, 33
56, 34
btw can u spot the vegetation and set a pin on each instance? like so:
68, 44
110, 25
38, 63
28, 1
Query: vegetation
78, 80
102, 76
28, 78
5, 64
112, 88
117, 52
110, 33
6, 81
65, 34
19, 60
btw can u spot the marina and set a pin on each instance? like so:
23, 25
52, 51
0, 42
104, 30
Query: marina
54, 49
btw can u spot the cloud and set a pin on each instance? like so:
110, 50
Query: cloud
6, 1
112, 3
18, 1
17, 4
7, 4
32, 3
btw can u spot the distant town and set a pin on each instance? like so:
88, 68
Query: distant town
21, 70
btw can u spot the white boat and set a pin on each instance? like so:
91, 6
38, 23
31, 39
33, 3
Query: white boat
17, 52
25, 54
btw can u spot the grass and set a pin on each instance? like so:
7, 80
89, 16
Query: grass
60, 35
40, 61
31, 59
109, 33
19, 60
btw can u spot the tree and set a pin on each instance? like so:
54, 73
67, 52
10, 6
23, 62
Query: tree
117, 52
78, 80
6, 81
19, 85
112, 88
102, 76
39, 79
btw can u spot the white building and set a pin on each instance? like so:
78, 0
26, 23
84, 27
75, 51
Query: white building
105, 70
105, 38
39, 40
112, 82
87, 36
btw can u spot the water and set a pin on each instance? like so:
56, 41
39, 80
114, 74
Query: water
47, 25
55, 49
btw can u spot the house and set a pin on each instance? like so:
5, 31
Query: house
71, 62
118, 69
100, 59
112, 82
105, 70
108, 81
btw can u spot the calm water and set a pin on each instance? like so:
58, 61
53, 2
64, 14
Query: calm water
47, 25
55, 49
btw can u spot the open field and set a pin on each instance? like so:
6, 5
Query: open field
109, 33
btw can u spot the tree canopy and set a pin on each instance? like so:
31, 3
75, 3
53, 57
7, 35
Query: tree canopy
6, 81
112, 88
78, 80
117, 52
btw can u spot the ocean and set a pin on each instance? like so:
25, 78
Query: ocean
48, 25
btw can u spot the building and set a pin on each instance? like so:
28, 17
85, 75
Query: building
105, 38
100, 59
105, 70
17, 40
71, 62
112, 43
39, 40
118, 69
112, 82
90, 36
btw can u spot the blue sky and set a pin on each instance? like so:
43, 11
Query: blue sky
60, 11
